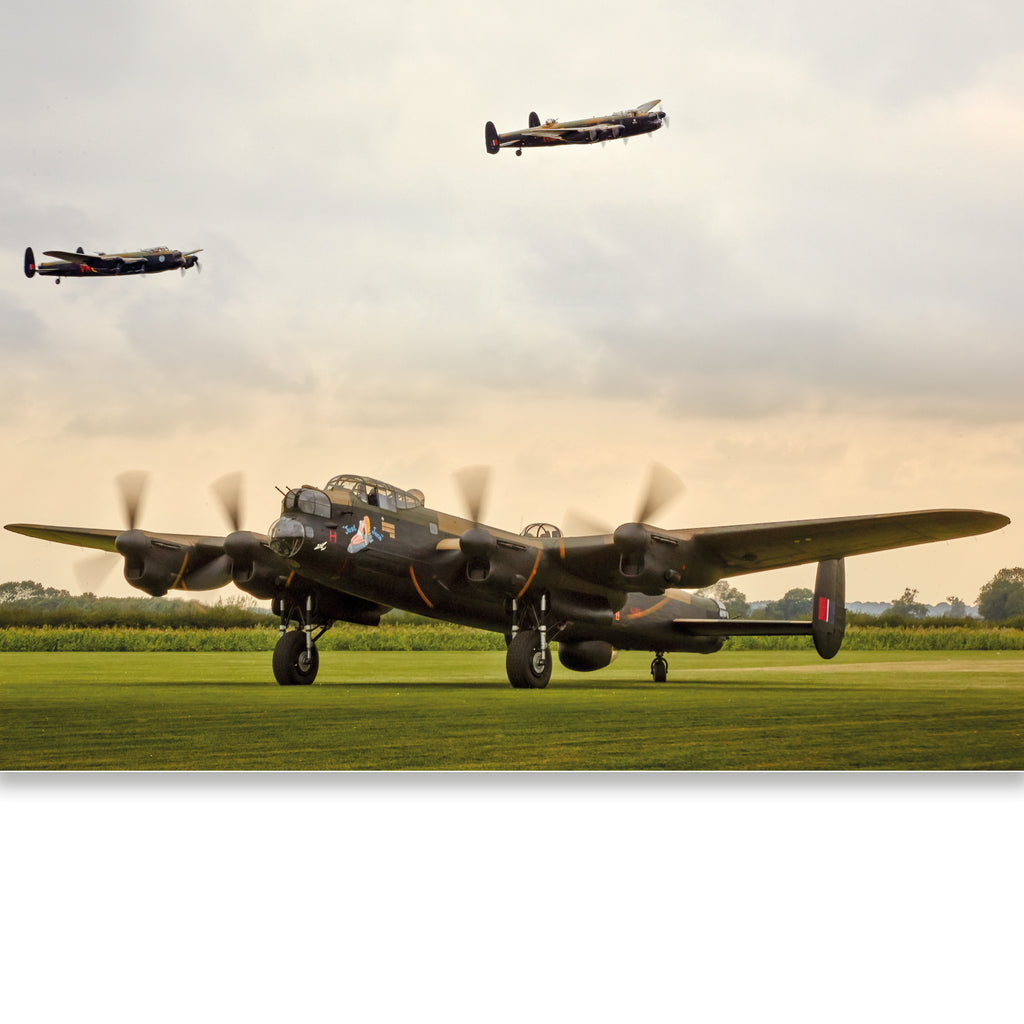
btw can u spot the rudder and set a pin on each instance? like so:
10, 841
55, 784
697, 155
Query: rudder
491, 137
30, 262
828, 615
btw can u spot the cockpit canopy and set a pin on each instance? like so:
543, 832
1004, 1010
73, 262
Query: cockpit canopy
541, 531
375, 492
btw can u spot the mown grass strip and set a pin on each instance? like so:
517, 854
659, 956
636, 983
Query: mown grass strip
441, 710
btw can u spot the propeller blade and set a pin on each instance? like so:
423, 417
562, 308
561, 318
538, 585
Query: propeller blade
582, 524
229, 492
662, 487
473, 481
132, 485
93, 571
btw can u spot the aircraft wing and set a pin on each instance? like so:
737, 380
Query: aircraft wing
172, 561
746, 549
77, 257
546, 133
104, 540
549, 129
90, 260
699, 557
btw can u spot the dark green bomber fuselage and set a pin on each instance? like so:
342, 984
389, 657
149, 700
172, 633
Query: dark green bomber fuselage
415, 559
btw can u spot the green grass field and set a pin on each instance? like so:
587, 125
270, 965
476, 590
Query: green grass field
439, 710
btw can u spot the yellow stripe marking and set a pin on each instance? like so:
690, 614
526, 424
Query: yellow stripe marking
415, 583
177, 584
536, 565
647, 611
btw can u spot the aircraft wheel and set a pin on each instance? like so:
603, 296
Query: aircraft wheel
659, 669
293, 664
528, 667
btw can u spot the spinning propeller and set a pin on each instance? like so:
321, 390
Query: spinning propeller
190, 259
474, 482
228, 489
92, 572
662, 487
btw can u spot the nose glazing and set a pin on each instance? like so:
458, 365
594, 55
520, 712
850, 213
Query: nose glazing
286, 537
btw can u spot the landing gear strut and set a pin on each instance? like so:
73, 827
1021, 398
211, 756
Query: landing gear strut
296, 658
528, 659
659, 667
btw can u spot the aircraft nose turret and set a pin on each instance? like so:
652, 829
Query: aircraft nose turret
286, 536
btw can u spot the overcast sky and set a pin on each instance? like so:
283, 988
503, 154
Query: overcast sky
804, 296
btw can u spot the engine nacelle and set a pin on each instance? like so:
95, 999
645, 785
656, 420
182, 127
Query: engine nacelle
254, 567
502, 566
651, 562
155, 566
586, 655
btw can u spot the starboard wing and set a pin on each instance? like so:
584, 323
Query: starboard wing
649, 559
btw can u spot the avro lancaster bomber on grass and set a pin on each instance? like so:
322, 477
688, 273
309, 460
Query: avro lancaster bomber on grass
353, 549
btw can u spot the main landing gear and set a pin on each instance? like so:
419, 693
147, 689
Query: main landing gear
528, 659
296, 658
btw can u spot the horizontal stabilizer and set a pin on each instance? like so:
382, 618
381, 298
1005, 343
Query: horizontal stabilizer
827, 624
743, 627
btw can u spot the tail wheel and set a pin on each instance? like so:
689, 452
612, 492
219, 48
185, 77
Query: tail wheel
295, 664
659, 669
527, 663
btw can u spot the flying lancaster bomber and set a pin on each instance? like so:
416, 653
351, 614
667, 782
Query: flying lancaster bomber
552, 132
355, 548
116, 264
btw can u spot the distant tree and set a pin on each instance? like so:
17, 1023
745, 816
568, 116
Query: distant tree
28, 590
957, 608
735, 602
909, 605
1003, 595
794, 604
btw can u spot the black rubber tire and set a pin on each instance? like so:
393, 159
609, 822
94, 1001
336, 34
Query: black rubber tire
659, 670
528, 667
293, 665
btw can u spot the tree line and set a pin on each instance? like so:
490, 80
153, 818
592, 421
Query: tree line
1000, 600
